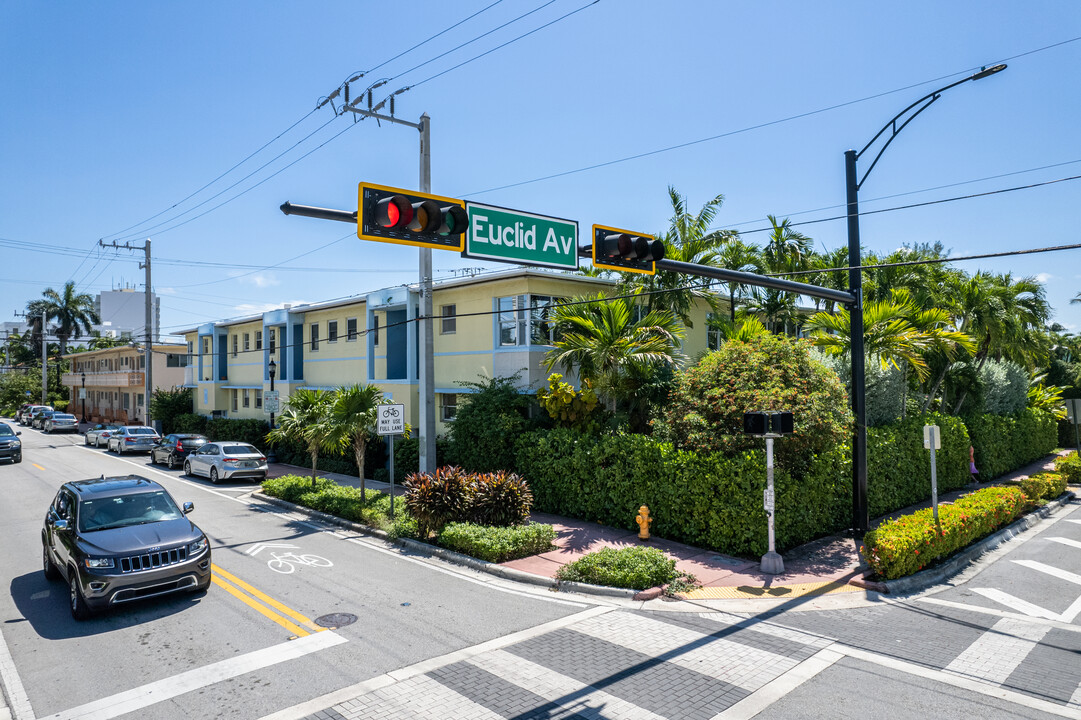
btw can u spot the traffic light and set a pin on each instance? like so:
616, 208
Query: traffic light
387, 214
763, 423
626, 251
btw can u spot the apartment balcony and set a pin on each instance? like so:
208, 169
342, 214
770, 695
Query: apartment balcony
106, 379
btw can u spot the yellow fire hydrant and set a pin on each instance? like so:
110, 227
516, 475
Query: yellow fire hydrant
643, 521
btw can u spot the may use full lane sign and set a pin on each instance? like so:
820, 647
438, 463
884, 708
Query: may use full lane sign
514, 236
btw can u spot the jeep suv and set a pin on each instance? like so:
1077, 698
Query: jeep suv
120, 539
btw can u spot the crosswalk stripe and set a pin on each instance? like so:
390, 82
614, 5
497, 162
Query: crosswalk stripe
997, 653
1051, 570
1066, 541
1015, 603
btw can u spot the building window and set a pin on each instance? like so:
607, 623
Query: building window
375, 330
175, 360
247, 342
142, 362
246, 398
541, 319
351, 330
314, 336
258, 339
139, 400
235, 343
258, 398
713, 332
449, 407
512, 320
450, 320
273, 339
127, 401
206, 346
332, 331
235, 394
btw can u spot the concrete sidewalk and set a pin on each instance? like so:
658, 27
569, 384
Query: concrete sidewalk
825, 566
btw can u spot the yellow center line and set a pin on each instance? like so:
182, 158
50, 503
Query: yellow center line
268, 600
38, 467
263, 609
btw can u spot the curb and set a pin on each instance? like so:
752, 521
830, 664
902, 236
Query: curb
940, 574
457, 558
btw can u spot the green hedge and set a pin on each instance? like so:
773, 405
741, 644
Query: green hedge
909, 543
1007, 442
636, 568
899, 467
498, 544
1069, 466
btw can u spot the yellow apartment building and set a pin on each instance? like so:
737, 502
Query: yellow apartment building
487, 326
110, 383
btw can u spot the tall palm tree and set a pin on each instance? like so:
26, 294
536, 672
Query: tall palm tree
605, 344
786, 250
741, 257
305, 420
352, 422
74, 313
687, 239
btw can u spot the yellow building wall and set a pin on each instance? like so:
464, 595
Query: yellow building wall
343, 361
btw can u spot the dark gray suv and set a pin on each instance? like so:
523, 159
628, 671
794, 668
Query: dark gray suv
120, 539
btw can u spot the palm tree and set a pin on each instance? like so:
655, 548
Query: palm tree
74, 312
741, 257
787, 250
352, 422
305, 420
609, 348
688, 239
743, 329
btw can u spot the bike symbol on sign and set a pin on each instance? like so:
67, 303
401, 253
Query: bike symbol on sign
287, 562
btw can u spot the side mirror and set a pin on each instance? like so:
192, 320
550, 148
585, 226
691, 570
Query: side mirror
188, 507
60, 525
18, 432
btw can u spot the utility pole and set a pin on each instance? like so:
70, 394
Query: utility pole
148, 328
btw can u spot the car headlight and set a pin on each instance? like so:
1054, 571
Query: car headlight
17, 443
197, 547
99, 563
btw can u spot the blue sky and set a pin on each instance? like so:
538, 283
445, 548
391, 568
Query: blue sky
115, 113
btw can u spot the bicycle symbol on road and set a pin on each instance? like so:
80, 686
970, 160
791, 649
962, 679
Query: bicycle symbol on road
287, 562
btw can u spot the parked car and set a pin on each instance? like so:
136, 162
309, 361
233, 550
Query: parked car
22, 408
132, 438
120, 539
60, 422
174, 448
227, 460
39, 418
28, 414
11, 447
99, 434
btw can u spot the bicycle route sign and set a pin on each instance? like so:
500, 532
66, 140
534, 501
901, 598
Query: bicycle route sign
390, 420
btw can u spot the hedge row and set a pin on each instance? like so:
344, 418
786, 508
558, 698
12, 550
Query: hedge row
1007, 442
909, 543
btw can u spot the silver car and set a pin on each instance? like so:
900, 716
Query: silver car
227, 460
99, 434
60, 422
133, 438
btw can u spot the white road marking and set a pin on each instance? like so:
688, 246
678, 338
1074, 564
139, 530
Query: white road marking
1066, 541
156, 692
965, 683
18, 702
1022, 606
257, 547
1003, 614
999, 651
780, 686
1051, 570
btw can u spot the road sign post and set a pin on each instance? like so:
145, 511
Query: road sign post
390, 421
270, 401
932, 440
505, 235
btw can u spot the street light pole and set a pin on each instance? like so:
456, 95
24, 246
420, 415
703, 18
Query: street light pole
84, 397
853, 183
272, 370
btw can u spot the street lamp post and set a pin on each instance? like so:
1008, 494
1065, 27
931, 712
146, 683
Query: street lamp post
272, 370
860, 519
84, 397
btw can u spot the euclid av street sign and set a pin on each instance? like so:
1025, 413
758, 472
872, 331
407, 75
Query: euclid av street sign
496, 233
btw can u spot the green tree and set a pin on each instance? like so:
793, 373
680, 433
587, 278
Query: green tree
74, 313
741, 257
786, 250
490, 415
305, 420
168, 405
601, 340
352, 421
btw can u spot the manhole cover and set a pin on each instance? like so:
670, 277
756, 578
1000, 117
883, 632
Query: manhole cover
335, 620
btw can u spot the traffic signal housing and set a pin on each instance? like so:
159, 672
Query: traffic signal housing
626, 251
768, 423
405, 217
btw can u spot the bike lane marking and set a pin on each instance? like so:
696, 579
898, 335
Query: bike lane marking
262, 603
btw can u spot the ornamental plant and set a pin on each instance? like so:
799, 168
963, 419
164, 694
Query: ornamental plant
499, 499
436, 499
767, 372
636, 568
567, 407
1069, 466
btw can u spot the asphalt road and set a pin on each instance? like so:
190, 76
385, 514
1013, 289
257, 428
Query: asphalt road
250, 645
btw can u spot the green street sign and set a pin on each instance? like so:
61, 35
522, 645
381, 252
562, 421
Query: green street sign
513, 236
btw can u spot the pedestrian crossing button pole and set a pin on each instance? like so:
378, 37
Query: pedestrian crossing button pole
769, 426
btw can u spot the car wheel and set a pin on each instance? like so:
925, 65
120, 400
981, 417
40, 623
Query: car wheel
187, 470
85, 440
214, 475
51, 573
79, 608
172, 462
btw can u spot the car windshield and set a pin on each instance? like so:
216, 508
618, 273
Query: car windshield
239, 450
123, 510
5, 430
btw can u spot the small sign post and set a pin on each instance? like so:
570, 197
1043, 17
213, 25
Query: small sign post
270, 402
769, 426
390, 421
932, 440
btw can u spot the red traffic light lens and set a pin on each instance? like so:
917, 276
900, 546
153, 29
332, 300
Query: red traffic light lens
394, 212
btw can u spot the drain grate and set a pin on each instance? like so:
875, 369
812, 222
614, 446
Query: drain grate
335, 620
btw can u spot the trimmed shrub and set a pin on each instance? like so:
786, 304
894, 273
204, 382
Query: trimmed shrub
497, 544
1035, 487
1069, 466
437, 499
189, 423
907, 544
1005, 443
499, 498
768, 372
1004, 387
636, 568
248, 430
291, 487
1055, 482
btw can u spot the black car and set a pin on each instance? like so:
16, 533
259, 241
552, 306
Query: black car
11, 447
120, 539
38, 420
175, 447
